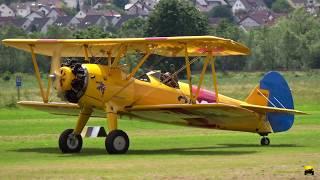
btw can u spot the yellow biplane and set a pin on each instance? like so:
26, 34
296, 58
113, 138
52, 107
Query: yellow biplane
107, 90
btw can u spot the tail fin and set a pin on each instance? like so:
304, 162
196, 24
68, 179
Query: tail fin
273, 91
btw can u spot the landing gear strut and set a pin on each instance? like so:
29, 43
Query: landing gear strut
265, 141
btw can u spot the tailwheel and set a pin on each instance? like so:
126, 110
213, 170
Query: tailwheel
69, 142
265, 141
117, 142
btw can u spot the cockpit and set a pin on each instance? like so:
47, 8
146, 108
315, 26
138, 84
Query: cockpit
167, 78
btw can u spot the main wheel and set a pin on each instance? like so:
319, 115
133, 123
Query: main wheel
117, 142
69, 142
265, 141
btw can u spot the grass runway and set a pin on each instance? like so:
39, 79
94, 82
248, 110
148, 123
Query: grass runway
29, 146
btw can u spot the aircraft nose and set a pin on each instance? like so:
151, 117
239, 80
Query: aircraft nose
66, 78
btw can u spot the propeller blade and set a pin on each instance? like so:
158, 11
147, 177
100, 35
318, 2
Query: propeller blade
55, 75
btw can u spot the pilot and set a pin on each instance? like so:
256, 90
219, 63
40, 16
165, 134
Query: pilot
170, 78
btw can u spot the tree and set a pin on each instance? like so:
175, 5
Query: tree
290, 46
269, 2
281, 6
120, 3
221, 12
176, 18
315, 54
57, 32
78, 6
228, 30
133, 28
92, 32
69, 11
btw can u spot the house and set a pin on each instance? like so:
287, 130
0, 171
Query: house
93, 20
113, 20
231, 2
21, 9
5, 11
139, 7
22, 23
99, 4
111, 15
313, 7
258, 18
34, 14
55, 13
125, 18
51, 3
40, 25
44, 10
151, 3
73, 3
103, 12
207, 5
67, 21
248, 5
4, 21
81, 14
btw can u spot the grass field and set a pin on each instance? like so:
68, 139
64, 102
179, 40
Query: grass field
29, 148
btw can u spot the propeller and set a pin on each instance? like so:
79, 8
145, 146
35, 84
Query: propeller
56, 75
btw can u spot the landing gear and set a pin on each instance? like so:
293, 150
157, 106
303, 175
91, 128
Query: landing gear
265, 141
69, 142
117, 142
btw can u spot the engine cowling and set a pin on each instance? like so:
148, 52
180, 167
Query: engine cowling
73, 81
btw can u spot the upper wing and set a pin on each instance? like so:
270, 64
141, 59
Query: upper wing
164, 46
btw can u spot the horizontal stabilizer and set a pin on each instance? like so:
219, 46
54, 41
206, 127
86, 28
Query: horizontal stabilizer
266, 109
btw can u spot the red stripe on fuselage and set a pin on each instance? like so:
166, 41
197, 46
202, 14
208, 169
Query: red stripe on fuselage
205, 95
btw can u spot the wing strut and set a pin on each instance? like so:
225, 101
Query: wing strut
134, 71
214, 76
204, 68
186, 55
86, 54
122, 50
37, 72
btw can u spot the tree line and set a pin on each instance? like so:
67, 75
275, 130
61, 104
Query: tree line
292, 43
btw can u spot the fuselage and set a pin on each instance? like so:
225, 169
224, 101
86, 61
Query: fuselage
103, 84
111, 84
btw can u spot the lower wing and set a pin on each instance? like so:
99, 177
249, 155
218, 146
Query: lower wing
266, 109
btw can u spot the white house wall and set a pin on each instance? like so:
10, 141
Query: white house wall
23, 12
238, 5
5, 11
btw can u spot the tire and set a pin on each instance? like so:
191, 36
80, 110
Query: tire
117, 142
70, 143
265, 141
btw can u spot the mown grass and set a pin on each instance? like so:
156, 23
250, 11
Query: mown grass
29, 148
